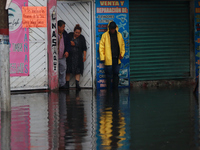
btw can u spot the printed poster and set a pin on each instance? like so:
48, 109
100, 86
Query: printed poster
117, 11
34, 16
19, 40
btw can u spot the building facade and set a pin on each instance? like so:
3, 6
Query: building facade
160, 38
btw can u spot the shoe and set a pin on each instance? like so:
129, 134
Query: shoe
63, 87
67, 84
77, 85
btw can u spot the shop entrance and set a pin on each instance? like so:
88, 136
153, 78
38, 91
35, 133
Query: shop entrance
160, 40
78, 13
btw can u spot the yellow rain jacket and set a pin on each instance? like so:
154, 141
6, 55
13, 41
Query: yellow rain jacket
105, 47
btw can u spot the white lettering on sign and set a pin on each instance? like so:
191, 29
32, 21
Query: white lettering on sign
54, 41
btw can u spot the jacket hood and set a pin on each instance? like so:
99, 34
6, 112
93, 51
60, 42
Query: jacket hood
109, 24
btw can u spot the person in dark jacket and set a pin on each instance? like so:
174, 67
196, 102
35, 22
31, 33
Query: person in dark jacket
64, 47
77, 55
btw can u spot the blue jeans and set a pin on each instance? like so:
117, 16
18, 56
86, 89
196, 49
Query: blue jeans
112, 70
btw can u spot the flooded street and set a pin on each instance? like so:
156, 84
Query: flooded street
136, 119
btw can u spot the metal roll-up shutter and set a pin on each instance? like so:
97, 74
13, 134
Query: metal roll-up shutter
159, 40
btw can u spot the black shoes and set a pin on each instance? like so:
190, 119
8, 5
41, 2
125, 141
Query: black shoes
66, 86
77, 85
63, 87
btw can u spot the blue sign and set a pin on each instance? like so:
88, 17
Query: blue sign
117, 11
197, 35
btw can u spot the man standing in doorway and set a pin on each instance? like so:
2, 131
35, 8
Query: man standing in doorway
63, 52
112, 50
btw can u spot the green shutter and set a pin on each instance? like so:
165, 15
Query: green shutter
159, 40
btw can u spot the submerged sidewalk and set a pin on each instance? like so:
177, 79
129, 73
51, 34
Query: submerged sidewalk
135, 119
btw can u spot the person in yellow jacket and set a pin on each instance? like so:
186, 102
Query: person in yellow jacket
112, 50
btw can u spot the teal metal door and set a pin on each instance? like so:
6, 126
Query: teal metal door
159, 40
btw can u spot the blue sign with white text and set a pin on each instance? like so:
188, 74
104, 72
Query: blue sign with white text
197, 35
116, 11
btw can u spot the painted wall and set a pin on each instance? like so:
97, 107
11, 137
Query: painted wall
52, 44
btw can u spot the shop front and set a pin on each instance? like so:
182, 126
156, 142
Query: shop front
33, 56
33, 41
28, 45
72, 13
161, 40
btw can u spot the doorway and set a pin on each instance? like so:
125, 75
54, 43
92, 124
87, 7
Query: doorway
160, 40
79, 13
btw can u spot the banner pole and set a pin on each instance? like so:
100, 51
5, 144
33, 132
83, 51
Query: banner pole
4, 61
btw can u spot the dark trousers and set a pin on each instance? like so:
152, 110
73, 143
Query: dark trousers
112, 71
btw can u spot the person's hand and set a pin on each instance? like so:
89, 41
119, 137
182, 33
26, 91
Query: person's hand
66, 54
72, 43
84, 59
120, 57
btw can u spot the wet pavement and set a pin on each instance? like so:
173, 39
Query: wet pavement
124, 119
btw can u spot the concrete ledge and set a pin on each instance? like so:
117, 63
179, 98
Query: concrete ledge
163, 83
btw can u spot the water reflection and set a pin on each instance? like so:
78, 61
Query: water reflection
113, 117
53, 123
28, 124
163, 119
75, 124
96, 120
72, 121
5, 130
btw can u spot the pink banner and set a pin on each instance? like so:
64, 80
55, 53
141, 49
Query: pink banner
19, 40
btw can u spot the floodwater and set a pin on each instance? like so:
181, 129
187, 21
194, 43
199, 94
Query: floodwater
136, 119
